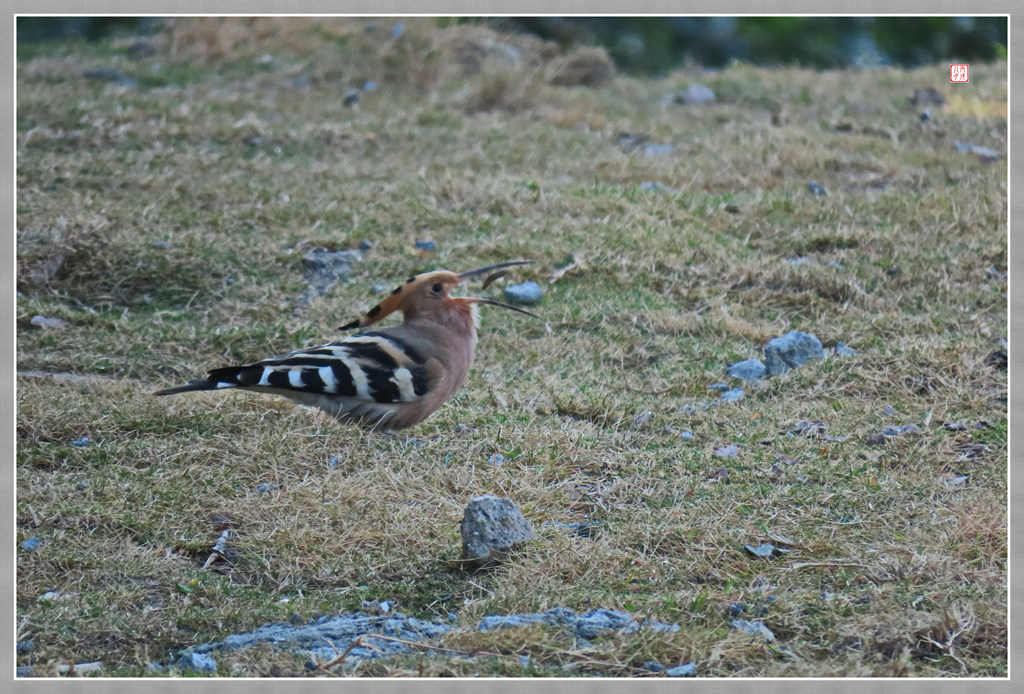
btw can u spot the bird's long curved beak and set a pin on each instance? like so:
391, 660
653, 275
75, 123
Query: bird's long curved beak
499, 266
489, 302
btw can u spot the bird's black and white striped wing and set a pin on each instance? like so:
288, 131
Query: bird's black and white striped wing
373, 367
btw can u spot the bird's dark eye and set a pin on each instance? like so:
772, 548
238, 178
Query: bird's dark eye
437, 288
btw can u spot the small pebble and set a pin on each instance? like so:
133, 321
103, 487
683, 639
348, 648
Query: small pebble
802, 260
397, 29
82, 442
687, 670
526, 293
925, 116
365, 245
496, 459
764, 550
198, 662
266, 487
843, 350
730, 451
954, 480
428, 245
653, 666
817, 189
311, 665
733, 394
657, 150
48, 596
888, 410
370, 86
686, 435
47, 323
351, 98
695, 95
642, 419
753, 627
166, 245
524, 660
31, 544
747, 370
24, 647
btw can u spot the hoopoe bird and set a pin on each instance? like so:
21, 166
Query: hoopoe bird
385, 379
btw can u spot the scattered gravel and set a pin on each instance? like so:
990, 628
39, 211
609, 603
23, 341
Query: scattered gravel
583, 627
325, 268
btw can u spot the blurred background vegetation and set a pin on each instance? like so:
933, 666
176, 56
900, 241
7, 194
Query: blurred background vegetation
655, 45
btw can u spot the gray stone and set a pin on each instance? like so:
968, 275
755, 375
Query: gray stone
657, 150
198, 662
492, 526
733, 394
756, 627
48, 323
747, 370
790, 351
695, 95
428, 245
31, 544
526, 293
817, 190
687, 670
843, 350
764, 550
730, 451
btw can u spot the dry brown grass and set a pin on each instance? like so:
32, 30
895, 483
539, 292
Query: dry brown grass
167, 225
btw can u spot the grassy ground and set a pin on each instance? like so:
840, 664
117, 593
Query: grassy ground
166, 224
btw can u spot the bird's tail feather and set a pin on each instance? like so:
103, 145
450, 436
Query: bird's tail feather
217, 380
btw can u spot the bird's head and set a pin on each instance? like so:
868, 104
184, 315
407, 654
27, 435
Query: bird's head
428, 293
